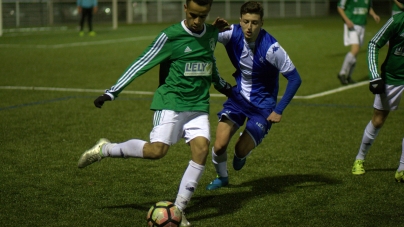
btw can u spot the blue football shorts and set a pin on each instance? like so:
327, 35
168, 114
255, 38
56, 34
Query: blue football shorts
237, 109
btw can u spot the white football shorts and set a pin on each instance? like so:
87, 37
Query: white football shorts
354, 36
170, 126
390, 100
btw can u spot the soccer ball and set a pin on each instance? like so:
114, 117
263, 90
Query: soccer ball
164, 214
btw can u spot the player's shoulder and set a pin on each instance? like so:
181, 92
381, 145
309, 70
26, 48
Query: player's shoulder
266, 37
399, 18
173, 29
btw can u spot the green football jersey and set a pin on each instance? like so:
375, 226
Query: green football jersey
189, 66
356, 10
392, 69
396, 8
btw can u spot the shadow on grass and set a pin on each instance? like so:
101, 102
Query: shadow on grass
230, 202
382, 170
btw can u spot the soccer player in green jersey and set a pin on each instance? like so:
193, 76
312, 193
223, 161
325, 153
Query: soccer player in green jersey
181, 102
387, 86
354, 13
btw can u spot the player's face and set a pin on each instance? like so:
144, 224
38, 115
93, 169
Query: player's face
195, 16
251, 25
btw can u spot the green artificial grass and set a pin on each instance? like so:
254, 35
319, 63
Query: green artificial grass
299, 176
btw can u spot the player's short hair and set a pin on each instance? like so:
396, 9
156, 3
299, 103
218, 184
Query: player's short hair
252, 7
202, 2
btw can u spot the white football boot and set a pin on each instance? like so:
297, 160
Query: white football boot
92, 155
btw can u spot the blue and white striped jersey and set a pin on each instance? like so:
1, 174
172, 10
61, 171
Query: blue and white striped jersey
258, 66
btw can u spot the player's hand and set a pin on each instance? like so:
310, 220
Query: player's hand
377, 86
221, 24
98, 102
274, 117
350, 25
376, 18
226, 90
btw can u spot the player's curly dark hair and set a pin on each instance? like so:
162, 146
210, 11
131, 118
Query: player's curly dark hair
202, 2
252, 7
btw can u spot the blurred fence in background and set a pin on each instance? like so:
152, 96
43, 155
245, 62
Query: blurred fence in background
34, 13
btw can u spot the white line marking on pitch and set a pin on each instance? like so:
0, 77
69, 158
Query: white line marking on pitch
56, 46
80, 90
333, 91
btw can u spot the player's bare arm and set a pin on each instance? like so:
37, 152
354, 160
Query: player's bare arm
347, 21
374, 15
400, 5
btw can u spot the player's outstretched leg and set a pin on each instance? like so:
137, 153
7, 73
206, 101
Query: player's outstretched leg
92, 155
357, 168
217, 183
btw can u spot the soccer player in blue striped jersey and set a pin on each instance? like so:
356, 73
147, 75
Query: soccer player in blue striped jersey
388, 87
258, 59
181, 102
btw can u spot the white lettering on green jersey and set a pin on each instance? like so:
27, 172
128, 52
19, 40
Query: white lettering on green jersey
198, 69
360, 11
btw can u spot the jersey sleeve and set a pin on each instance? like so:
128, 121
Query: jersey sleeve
218, 82
278, 57
294, 82
158, 51
224, 37
377, 42
341, 3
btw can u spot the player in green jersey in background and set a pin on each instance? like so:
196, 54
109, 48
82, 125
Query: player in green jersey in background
354, 14
181, 102
387, 86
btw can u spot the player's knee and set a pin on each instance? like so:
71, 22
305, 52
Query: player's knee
377, 122
156, 155
157, 151
219, 148
202, 153
379, 117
